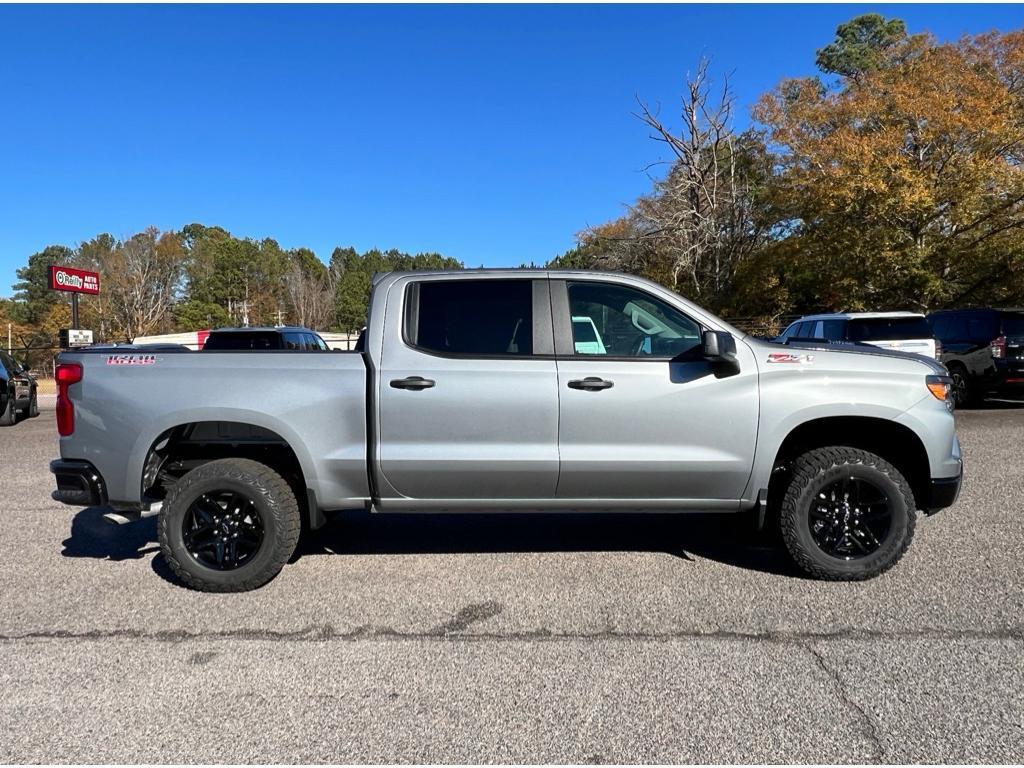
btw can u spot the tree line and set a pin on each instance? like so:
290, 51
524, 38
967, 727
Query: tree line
894, 179
197, 278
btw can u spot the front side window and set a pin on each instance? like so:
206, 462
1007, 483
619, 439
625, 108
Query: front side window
471, 317
619, 321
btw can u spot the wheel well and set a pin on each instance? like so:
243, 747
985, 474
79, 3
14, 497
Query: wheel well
183, 448
894, 442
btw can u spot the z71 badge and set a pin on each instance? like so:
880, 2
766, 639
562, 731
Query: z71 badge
131, 359
789, 357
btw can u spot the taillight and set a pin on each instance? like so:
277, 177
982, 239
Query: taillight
998, 347
66, 374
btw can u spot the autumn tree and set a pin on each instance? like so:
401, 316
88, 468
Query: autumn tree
142, 278
903, 186
310, 287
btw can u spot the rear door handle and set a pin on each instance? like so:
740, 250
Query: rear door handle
412, 382
591, 384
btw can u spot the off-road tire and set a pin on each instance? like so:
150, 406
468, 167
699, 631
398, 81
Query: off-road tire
275, 502
8, 416
814, 471
33, 408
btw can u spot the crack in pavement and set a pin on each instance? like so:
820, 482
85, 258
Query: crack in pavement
868, 724
454, 631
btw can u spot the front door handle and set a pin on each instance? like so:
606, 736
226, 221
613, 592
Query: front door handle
412, 382
591, 384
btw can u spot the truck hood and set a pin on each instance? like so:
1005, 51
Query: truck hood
853, 348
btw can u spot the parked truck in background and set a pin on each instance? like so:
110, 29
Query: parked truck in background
524, 390
983, 349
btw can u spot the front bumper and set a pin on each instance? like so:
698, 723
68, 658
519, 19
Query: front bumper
78, 483
944, 491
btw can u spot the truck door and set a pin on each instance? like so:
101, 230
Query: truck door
642, 414
467, 391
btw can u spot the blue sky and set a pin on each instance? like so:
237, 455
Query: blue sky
488, 133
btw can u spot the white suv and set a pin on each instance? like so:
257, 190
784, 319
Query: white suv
902, 331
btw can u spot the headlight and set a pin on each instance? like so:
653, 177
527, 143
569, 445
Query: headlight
941, 388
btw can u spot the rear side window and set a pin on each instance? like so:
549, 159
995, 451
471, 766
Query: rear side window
242, 340
889, 329
1013, 324
832, 330
940, 326
471, 317
982, 328
953, 329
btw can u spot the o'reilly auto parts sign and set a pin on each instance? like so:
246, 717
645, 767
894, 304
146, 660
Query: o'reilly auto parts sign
74, 280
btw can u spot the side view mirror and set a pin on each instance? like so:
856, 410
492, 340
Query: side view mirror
720, 351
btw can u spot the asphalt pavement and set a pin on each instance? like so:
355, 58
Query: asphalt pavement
508, 638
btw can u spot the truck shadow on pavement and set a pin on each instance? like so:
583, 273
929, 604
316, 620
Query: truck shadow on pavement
93, 536
728, 539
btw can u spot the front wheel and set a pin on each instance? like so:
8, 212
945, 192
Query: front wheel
33, 408
847, 514
229, 526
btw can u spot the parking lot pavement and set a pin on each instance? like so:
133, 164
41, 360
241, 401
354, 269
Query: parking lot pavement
514, 638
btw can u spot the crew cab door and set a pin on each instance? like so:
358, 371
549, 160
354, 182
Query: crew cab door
642, 415
467, 397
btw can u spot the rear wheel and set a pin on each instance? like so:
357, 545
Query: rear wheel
847, 514
8, 416
229, 526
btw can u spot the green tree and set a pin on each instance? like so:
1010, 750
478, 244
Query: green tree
862, 45
355, 278
33, 298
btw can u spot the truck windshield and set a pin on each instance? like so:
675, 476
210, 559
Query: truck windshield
889, 328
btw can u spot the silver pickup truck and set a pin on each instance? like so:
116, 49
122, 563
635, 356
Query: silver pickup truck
501, 390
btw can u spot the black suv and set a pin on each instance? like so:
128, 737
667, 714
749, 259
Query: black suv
983, 350
259, 339
17, 391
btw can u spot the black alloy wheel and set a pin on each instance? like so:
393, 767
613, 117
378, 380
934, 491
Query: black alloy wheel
850, 518
961, 387
222, 530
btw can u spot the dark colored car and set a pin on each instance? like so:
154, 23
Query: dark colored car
983, 350
17, 391
260, 339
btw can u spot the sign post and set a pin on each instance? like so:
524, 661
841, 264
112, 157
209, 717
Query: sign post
74, 281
